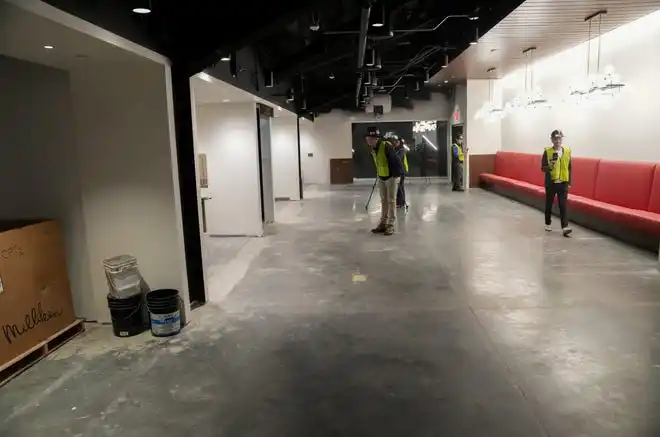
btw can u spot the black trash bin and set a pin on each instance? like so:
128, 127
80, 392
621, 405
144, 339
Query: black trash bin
127, 315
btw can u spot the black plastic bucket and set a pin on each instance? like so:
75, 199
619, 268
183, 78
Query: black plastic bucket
164, 312
127, 315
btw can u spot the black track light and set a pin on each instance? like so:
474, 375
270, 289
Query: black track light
370, 59
142, 7
290, 96
378, 15
379, 62
426, 77
270, 79
331, 76
233, 66
406, 95
367, 79
446, 63
416, 86
476, 37
315, 26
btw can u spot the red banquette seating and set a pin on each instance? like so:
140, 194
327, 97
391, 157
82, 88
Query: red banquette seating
626, 193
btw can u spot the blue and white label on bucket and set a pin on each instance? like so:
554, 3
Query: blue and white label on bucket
166, 324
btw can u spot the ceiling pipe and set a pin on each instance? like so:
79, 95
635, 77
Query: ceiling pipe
362, 49
437, 26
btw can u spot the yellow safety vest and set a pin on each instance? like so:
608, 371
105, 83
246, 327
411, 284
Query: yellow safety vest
405, 162
461, 158
560, 172
380, 159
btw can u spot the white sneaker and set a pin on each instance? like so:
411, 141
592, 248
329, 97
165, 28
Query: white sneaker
567, 231
548, 228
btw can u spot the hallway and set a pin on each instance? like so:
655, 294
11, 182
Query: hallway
471, 321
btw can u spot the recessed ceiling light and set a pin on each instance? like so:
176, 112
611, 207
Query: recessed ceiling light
226, 100
142, 10
49, 47
446, 81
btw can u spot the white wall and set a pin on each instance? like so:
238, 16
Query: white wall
92, 149
330, 136
628, 129
227, 133
482, 136
127, 176
284, 136
38, 171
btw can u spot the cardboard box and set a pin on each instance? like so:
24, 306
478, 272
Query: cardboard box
35, 296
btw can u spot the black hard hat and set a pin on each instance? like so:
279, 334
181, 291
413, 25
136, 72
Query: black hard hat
557, 134
372, 131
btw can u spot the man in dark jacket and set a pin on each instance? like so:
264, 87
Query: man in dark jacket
388, 170
556, 164
400, 148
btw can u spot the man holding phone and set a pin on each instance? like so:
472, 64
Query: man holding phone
556, 164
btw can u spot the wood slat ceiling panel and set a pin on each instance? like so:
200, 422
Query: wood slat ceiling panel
550, 25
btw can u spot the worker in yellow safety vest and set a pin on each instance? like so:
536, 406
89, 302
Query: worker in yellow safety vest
388, 172
556, 164
458, 163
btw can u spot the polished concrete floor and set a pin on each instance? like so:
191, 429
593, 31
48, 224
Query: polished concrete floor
470, 322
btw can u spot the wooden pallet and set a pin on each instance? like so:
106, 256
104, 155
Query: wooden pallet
23, 362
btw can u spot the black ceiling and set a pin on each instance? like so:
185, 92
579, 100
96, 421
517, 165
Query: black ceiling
321, 66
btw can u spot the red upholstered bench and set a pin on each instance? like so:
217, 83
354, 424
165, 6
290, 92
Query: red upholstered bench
620, 193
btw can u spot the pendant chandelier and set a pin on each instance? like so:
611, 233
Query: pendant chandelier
489, 111
532, 97
599, 84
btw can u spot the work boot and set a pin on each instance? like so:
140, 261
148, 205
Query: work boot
380, 229
389, 230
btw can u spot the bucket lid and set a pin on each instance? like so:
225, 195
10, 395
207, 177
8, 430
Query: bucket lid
120, 261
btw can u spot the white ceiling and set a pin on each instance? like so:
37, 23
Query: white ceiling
208, 90
552, 26
24, 34
217, 91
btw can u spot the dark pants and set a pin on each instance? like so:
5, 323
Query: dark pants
561, 191
401, 193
